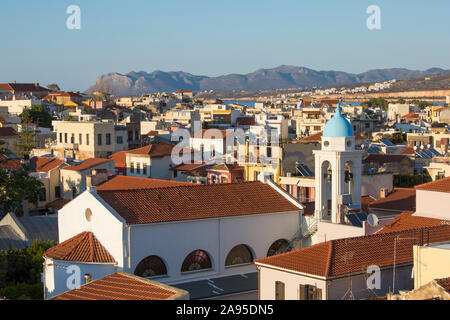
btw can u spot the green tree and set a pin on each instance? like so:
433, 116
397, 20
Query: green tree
421, 104
37, 115
20, 271
25, 141
376, 102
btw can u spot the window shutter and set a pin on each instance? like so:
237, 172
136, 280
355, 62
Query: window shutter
302, 292
318, 294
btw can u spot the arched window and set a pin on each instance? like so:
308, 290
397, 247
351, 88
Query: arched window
238, 255
196, 260
277, 246
213, 179
150, 267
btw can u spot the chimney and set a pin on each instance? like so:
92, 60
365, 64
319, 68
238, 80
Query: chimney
383, 193
89, 180
87, 278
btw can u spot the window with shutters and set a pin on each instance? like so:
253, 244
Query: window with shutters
279, 290
309, 292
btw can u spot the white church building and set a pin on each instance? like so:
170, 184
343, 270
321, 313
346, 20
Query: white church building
200, 238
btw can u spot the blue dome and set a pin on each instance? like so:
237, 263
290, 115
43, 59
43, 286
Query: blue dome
338, 126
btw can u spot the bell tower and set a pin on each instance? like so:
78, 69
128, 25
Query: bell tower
337, 170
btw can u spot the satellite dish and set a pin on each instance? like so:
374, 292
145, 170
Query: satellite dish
421, 147
429, 146
363, 146
372, 220
415, 148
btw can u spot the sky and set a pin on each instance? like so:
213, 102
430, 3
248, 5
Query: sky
213, 37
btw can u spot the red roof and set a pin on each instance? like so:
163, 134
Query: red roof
9, 164
7, 132
154, 150
441, 185
408, 151
189, 202
444, 283
411, 115
120, 159
317, 137
87, 164
84, 247
353, 255
122, 286
407, 221
399, 199
24, 87
134, 183
58, 203
43, 164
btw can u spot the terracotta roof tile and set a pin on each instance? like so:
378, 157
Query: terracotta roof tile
154, 150
43, 164
58, 203
134, 183
407, 221
196, 202
408, 151
84, 247
343, 256
9, 164
122, 286
87, 164
120, 158
444, 283
411, 115
400, 199
441, 185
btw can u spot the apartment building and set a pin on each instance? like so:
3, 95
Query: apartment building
82, 140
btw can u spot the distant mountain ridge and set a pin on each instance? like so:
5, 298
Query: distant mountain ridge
282, 77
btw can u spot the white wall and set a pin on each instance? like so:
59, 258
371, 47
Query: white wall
172, 242
56, 274
106, 227
432, 204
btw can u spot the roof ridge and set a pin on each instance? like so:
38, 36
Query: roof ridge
91, 245
431, 183
329, 258
194, 185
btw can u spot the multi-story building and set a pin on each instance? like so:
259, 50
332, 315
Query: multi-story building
82, 140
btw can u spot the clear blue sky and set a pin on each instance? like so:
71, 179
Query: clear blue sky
212, 37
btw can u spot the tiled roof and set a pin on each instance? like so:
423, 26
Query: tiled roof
365, 202
350, 255
7, 132
408, 151
399, 199
411, 115
441, 185
407, 221
87, 164
9, 164
120, 158
154, 150
58, 203
26, 87
134, 183
43, 164
444, 283
122, 286
226, 167
384, 158
196, 202
245, 121
187, 166
84, 247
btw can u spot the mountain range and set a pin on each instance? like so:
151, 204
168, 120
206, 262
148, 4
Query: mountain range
282, 77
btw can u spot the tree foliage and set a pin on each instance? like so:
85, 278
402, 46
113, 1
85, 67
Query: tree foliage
376, 102
37, 115
16, 186
20, 271
25, 141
